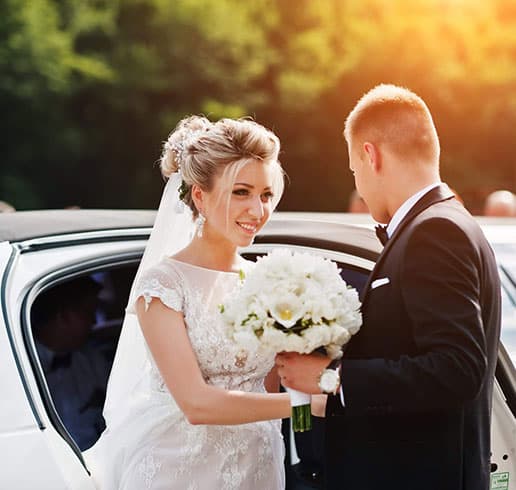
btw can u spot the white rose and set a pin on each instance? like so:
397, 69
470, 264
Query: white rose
334, 351
317, 336
274, 339
297, 343
354, 327
329, 312
339, 335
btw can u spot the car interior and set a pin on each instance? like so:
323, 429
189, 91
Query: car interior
75, 325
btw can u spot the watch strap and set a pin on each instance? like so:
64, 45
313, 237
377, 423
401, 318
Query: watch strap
335, 364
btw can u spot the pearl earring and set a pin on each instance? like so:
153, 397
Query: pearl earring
200, 224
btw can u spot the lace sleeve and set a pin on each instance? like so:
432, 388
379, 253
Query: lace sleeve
163, 283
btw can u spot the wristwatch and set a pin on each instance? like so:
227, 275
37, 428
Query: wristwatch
329, 380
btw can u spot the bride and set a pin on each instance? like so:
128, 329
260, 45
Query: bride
186, 408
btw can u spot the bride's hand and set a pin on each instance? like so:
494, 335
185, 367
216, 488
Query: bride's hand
319, 405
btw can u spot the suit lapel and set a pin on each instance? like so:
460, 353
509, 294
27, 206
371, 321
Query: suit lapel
438, 194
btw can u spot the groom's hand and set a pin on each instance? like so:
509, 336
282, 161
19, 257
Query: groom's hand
301, 371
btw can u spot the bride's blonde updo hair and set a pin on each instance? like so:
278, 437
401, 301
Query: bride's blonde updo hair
201, 150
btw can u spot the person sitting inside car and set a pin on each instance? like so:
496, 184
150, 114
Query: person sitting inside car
76, 370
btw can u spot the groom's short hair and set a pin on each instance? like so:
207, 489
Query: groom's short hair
397, 118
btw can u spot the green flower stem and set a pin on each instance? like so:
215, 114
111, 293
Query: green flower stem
301, 418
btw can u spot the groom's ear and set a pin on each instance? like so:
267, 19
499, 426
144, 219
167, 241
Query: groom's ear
373, 156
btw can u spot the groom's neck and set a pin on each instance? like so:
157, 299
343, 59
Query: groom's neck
407, 179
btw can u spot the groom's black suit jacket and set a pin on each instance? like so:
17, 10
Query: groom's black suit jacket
418, 377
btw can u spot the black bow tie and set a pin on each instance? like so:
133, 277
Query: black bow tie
381, 233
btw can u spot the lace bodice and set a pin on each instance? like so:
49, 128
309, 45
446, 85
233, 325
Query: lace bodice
197, 293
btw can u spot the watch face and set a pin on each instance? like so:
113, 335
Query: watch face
329, 381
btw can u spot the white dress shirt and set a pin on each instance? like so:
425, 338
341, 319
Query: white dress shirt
397, 218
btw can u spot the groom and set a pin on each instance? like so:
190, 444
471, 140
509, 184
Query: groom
412, 407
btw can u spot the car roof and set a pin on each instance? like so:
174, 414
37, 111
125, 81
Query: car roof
24, 225
336, 230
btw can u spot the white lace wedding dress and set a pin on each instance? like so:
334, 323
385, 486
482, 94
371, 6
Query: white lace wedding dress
158, 448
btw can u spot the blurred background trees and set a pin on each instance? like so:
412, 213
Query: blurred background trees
90, 88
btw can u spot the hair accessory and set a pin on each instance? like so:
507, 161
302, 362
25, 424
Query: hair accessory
179, 148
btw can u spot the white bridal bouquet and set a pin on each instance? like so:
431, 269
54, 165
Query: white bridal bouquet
294, 302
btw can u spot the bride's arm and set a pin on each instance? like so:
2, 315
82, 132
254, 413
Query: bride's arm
165, 332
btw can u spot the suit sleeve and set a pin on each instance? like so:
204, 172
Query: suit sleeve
440, 280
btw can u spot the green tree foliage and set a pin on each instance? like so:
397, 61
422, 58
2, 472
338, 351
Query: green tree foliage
459, 55
90, 88
42, 69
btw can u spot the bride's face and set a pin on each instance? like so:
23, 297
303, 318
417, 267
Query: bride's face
238, 213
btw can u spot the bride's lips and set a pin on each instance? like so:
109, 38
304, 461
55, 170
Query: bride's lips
250, 228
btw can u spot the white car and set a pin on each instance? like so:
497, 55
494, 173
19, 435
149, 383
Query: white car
42, 252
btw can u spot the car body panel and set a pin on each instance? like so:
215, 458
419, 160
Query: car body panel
503, 437
25, 427
16, 413
24, 444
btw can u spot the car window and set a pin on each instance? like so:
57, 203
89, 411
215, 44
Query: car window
506, 258
75, 326
508, 332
